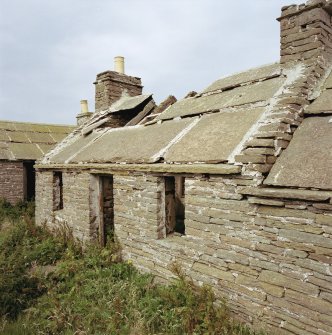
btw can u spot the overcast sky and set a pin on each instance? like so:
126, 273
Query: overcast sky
51, 50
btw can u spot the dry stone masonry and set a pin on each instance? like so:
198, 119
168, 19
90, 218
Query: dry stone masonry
11, 181
110, 86
233, 183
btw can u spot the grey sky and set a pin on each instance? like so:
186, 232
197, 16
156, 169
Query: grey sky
51, 50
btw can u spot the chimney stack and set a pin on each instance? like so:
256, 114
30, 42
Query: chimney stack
84, 114
110, 85
119, 64
305, 32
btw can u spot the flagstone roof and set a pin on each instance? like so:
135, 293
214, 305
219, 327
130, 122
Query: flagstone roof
241, 119
29, 141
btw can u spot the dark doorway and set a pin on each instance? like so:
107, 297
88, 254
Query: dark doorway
29, 181
106, 230
174, 205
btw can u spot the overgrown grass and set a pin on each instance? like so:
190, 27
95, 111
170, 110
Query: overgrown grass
50, 286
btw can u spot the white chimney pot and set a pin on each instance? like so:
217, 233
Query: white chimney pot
84, 107
119, 64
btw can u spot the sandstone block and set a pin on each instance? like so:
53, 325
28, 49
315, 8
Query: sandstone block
274, 290
316, 304
213, 271
283, 281
260, 201
303, 237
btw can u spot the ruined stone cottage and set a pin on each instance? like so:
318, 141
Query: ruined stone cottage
233, 183
21, 144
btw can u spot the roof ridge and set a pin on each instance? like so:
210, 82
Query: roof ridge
39, 124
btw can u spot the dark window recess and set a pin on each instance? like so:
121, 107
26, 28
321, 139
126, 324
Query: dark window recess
174, 205
57, 191
29, 181
107, 210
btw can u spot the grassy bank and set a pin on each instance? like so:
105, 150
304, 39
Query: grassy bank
48, 285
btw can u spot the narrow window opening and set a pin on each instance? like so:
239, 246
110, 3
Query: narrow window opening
106, 231
57, 191
174, 205
179, 205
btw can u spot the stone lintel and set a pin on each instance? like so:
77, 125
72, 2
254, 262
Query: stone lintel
220, 169
311, 195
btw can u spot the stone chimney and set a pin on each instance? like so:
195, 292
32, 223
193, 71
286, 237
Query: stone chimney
110, 85
84, 114
306, 31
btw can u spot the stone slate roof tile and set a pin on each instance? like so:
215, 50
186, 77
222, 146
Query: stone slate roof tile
256, 74
25, 151
137, 144
323, 104
307, 161
213, 139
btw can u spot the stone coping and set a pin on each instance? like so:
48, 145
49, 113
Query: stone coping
272, 192
171, 168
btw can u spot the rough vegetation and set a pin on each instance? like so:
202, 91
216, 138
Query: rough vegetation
50, 285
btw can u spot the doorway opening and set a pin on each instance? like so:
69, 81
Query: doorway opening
29, 180
106, 228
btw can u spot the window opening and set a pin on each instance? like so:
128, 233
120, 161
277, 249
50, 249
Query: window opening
174, 205
57, 191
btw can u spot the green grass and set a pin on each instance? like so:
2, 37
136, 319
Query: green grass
51, 286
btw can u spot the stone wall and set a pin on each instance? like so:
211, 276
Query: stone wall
272, 261
268, 251
76, 202
44, 197
137, 209
12, 181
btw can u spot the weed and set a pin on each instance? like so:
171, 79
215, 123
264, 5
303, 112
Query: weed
51, 285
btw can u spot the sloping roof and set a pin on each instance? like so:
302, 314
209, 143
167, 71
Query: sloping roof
217, 126
238, 95
208, 128
29, 141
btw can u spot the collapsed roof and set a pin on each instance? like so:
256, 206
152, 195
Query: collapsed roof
196, 129
214, 127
